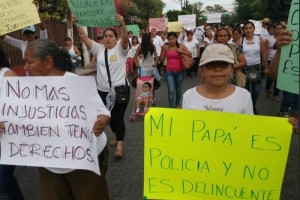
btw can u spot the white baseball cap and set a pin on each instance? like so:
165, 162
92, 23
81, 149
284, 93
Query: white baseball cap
216, 52
29, 28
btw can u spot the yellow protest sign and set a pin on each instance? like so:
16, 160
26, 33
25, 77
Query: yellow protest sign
174, 27
211, 155
17, 14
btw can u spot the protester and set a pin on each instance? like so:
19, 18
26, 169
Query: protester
158, 43
130, 66
290, 101
116, 56
222, 37
264, 32
9, 188
74, 53
192, 45
44, 57
270, 41
216, 93
236, 36
29, 34
174, 71
209, 38
149, 58
256, 55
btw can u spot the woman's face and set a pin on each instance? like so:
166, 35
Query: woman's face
34, 66
208, 32
110, 39
278, 28
190, 36
249, 30
217, 73
68, 42
134, 41
172, 40
222, 37
236, 36
29, 36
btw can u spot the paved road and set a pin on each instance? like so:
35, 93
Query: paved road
125, 176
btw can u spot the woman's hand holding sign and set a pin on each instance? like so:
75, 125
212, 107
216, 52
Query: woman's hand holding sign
100, 124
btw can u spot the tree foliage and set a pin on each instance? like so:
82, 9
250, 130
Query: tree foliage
142, 10
195, 8
215, 9
276, 10
53, 10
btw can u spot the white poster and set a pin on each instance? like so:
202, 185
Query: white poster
49, 121
188, 21
214, 18
258, 26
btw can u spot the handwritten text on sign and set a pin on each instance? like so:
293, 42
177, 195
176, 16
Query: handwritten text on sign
94, 13
212, 155
17, 14
49, 124
288, 73
158, 23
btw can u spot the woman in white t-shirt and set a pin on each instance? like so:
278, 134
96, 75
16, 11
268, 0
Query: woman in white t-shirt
192, 45
270, 41
116, 56
216, 93
130, 66
44, 57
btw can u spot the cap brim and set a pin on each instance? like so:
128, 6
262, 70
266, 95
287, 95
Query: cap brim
216, 59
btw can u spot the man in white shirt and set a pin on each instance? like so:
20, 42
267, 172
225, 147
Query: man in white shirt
264, 32
158, 43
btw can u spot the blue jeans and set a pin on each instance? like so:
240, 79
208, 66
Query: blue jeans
290, 100
254, 89
174, 82
9, 188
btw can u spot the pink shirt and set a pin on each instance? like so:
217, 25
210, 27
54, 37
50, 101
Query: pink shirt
173, 61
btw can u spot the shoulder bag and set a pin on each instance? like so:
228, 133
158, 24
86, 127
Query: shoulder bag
122, 92
186, 60
239, 78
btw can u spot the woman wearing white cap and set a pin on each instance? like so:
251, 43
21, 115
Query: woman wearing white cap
29, 34
216, 93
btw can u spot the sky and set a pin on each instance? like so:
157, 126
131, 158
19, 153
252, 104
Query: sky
172, 5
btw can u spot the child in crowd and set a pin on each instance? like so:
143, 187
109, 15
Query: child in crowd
143, 98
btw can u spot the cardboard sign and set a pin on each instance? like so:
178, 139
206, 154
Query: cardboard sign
288, 72
159, 24
17, 14
134, 28
175, 27
192, 155
214, 18
48, 123
188, 21
92, 13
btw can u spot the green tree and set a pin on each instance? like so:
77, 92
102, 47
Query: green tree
53, 10
195, 8
276, 10
142, 10
215, 9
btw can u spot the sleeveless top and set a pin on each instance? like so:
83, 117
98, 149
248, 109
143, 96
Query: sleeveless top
251, 50
72, 53
173, 61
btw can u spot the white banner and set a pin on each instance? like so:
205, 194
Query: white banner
214, 18
188, 21
49, 122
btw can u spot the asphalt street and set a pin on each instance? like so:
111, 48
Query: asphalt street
125, 176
